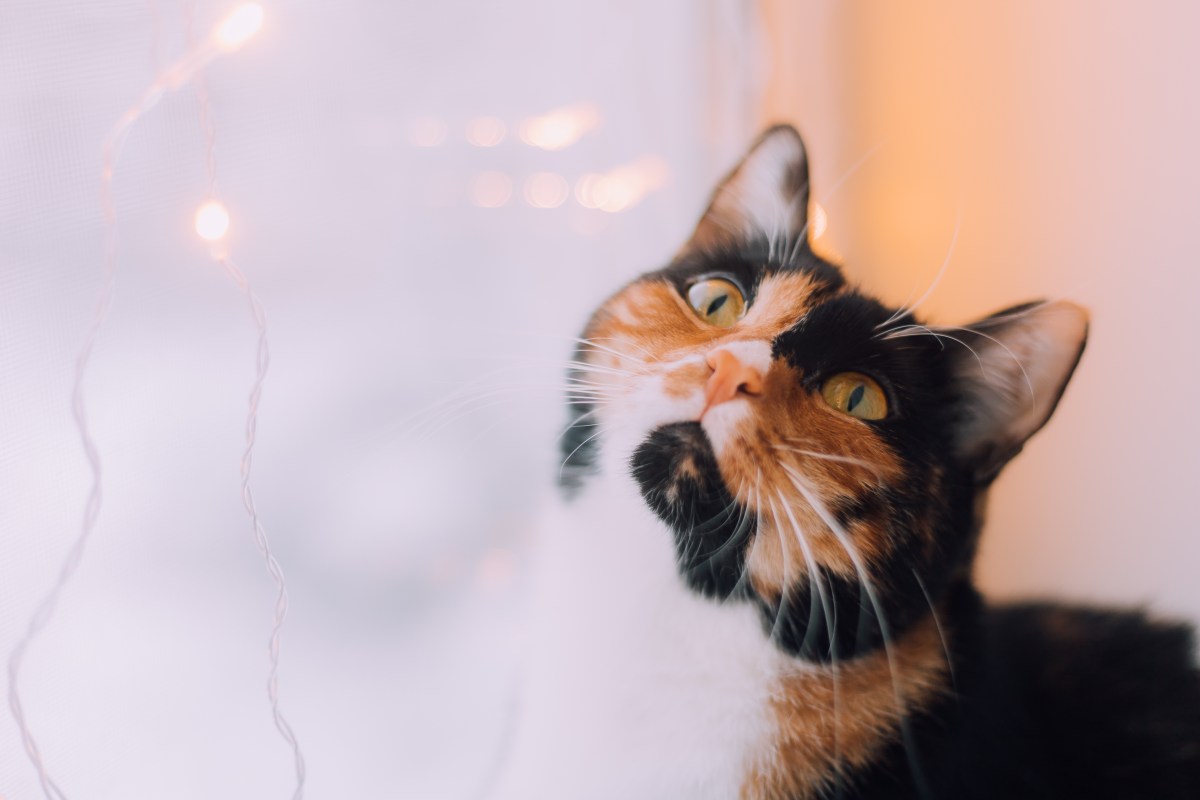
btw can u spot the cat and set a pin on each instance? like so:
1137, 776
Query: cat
758, 581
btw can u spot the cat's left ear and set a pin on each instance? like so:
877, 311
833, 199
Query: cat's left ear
1010, 372
766, 195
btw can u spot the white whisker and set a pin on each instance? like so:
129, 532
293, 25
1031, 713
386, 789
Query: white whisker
895, 333
941, 634
592, 342
858, 462
830, 613
563, 466
1011, 354
936, 335
868, 586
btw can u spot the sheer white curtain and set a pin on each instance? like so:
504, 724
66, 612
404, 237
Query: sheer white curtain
419, 304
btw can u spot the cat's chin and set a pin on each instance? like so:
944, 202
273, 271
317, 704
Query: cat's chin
676, 471
675, 460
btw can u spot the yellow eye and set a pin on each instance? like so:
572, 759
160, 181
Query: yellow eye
718, 302
855, 394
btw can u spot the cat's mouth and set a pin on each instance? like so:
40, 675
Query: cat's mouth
676, 461
676, 470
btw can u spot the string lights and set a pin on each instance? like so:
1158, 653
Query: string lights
212, 223
546, 190
237, 29
262, 362
623, 187
561, 127
615, 191
486, 131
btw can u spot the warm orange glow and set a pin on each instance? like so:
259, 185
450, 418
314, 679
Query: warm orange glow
427, 132
486, 131
561, 127
546, 190
623, 187
239, 27
818, 221
491, 189
212, 221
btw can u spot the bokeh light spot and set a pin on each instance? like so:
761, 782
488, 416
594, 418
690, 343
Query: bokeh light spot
491, 189
561, 127
427, 132
237, 29
486, 131
546, 190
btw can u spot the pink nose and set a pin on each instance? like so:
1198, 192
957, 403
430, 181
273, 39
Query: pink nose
730, 379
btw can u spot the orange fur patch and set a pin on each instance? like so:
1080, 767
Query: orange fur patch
826, 729
791, 459
685, 380
792, 437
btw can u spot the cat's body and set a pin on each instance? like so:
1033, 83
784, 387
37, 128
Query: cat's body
636, 687
758, 581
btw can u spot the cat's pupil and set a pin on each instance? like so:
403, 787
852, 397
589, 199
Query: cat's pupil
856, 397
716, 304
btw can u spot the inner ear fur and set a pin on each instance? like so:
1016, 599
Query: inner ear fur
1010, 373
766, 195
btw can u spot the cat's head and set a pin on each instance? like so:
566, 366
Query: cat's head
786, 425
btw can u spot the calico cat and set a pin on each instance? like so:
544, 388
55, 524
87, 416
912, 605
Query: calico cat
758, 582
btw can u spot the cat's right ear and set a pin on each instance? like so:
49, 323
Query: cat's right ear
765, 196
1010, 370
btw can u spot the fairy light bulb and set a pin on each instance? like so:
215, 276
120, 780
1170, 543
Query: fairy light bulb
237, 29
212, 221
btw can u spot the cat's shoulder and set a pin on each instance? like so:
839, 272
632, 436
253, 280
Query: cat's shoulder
1113, 695
1050, 643
1058, 702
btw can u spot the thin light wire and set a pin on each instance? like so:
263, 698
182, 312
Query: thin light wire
262, 362
174, 77
45, 610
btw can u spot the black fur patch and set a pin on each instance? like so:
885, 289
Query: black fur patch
678, 476
1045, 701
1051, 702
748, 263
823, 620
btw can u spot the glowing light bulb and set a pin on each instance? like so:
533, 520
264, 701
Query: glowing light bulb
237, 29
212, 221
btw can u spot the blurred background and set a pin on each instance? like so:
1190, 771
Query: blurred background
429, 198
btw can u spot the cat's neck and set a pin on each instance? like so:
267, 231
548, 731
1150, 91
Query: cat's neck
687, 693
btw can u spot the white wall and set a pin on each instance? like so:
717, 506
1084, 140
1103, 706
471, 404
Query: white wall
1065, 134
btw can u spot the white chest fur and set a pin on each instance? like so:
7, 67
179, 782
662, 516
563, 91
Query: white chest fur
635, 686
